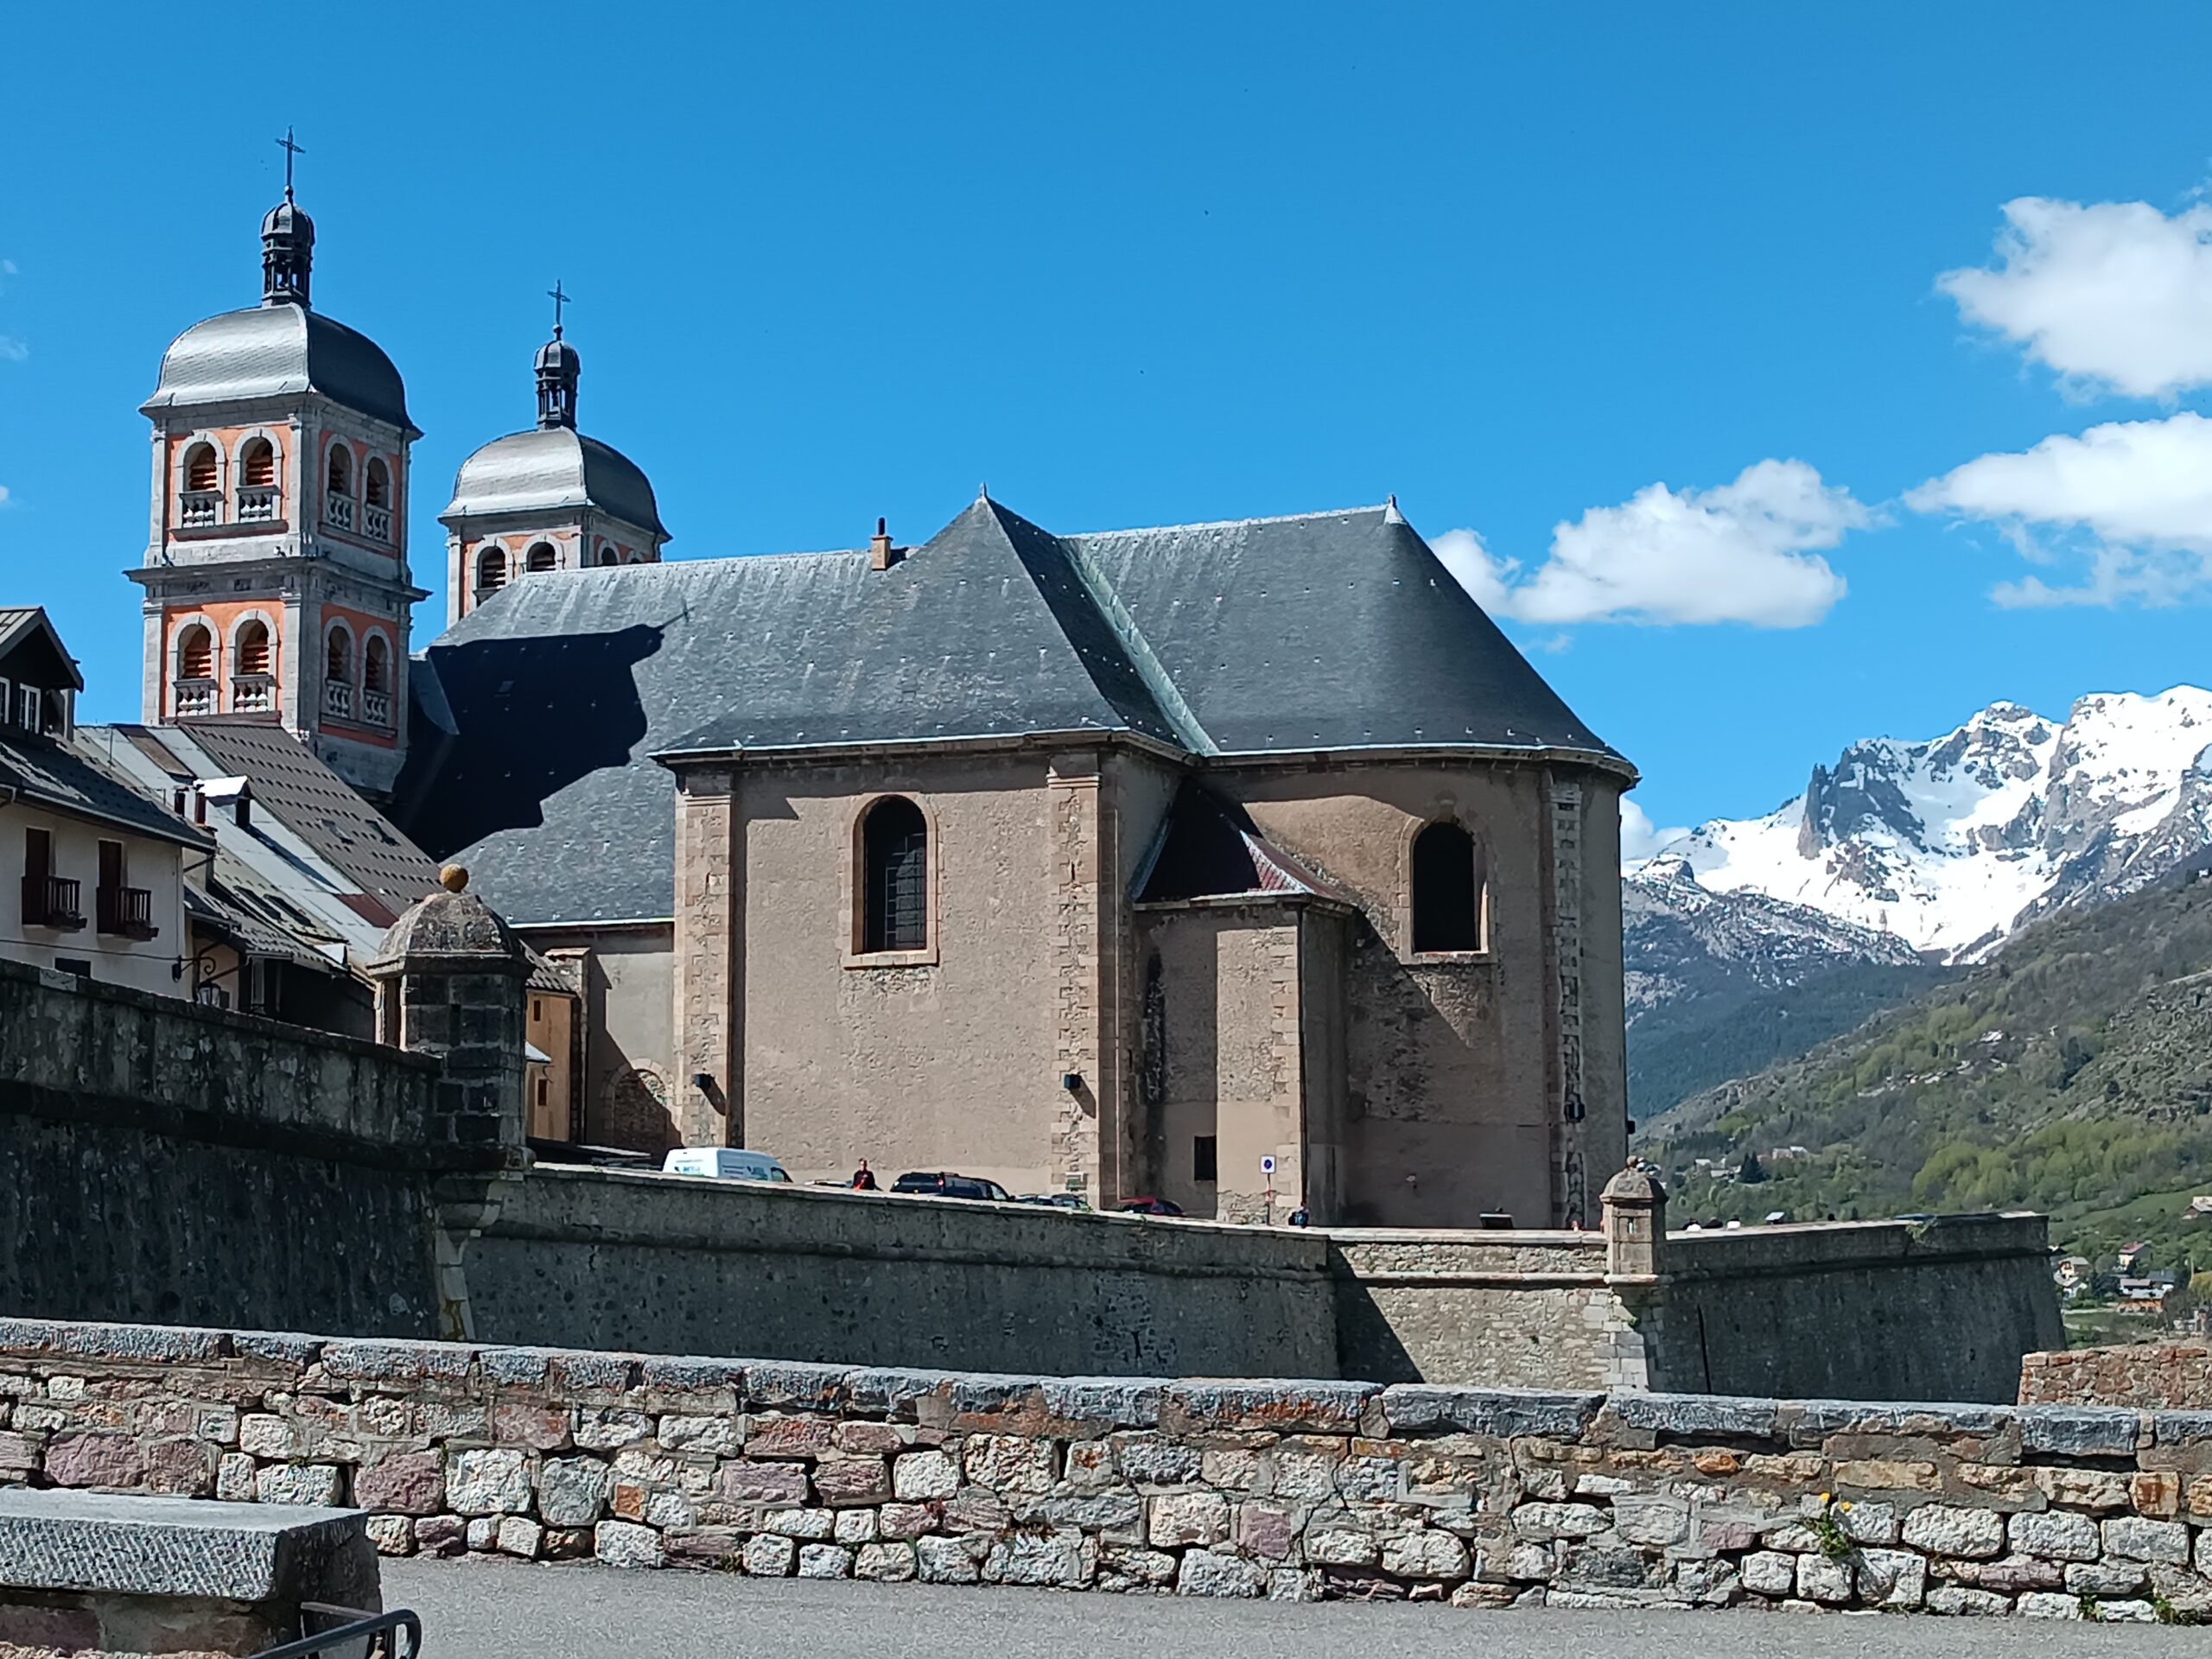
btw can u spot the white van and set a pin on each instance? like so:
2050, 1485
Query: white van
725, 1163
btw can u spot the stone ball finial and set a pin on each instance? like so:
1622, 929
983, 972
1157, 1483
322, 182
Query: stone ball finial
449, 926
454, 877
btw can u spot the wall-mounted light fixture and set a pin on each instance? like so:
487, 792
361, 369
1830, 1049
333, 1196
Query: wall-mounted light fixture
1072, 1081
703, 1081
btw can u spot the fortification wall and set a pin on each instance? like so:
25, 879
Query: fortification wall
171, 1161
588, 1258
1874, 1310
1505, 1309
174, 1162
1290, 1489
1868, 1310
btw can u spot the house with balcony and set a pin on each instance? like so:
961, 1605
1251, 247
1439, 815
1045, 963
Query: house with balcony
99, 868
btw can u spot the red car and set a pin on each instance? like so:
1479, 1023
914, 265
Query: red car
1148, 1207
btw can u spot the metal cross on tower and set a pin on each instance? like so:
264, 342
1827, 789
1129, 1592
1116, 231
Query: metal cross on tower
290, 149
559, 300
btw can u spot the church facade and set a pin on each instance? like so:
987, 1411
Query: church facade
1243, 864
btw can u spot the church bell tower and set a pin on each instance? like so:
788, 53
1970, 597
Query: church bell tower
276, 575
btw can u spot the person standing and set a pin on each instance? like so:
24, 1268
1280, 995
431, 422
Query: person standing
864, 1178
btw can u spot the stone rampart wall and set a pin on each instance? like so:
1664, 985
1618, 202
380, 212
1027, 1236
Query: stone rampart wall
2172, 1374
1867, 1310
223, 1170
591, 1258
1210, 1488
171, 1161
1870, 1310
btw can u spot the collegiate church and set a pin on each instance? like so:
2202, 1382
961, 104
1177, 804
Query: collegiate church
1246, 865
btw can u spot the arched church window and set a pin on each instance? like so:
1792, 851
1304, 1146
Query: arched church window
375, 666
338, 666
607, 555
377, 492
195, 653
203, 470
252, 648
541, 557
895, 863
258, 464
1449, 897
339, 475
490, 571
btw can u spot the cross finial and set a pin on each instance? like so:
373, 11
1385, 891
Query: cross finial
290, 150
559, 300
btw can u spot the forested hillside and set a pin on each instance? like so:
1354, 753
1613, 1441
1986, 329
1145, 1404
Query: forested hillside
2071, 1073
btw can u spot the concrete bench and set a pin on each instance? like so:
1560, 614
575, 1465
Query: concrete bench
88, 1574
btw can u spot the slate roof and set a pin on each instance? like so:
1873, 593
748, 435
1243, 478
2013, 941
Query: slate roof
1209, 848
556, 469
316, 805
280, 351
72, 777
26, 632
534, 717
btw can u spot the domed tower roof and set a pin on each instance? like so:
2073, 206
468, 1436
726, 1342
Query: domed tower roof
279, 350
553, 468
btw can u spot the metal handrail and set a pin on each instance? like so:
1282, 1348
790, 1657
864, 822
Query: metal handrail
364, 1626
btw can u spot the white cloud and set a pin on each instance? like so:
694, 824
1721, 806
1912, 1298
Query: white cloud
2128, 505
12, 349
1742, 552
1640, 837
2110, 294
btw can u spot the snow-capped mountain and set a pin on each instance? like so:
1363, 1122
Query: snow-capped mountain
1680, 939
1952, 844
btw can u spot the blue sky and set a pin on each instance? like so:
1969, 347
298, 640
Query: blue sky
1148, 263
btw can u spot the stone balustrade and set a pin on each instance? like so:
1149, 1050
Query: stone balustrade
1298, 1490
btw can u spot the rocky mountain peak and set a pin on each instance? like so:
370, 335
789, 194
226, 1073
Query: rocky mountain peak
1950, 842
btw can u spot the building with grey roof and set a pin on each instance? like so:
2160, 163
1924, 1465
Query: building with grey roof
95, 884
1246, 864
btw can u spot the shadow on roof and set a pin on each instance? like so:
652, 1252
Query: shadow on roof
544, 712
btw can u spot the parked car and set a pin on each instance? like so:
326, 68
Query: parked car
943, 1184
1054, 1201
1150, 1207
725, 1164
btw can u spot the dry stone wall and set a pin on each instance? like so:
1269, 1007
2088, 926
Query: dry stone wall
1294, 1489
2154, 1374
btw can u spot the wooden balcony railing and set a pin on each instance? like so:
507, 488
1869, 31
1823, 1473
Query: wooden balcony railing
52, 901
126, 911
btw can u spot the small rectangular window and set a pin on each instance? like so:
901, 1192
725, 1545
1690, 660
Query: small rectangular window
78, 965
1205, 1158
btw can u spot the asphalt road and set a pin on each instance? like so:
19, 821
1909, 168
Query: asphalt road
486, 1608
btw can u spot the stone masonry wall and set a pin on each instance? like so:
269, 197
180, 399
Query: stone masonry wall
1240, 1489
2176, 1375
211, 1165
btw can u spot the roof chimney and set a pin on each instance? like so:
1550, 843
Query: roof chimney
880, 552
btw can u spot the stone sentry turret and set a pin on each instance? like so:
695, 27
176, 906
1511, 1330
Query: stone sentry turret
449, 984
1635, 1205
